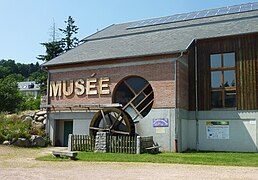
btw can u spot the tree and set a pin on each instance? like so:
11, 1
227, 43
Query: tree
4, 71
17, 77
70, 29
41, 78
53, 49
9, 95
10, 64
23, 69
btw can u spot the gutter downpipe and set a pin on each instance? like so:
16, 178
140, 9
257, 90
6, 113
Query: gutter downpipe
196, 95
47, 128
176, 110
48, 91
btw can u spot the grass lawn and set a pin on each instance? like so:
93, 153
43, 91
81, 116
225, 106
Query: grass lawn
202, 158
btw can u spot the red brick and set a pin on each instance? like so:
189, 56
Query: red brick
160, 76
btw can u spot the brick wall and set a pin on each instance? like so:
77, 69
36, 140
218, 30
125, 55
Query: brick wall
160, 76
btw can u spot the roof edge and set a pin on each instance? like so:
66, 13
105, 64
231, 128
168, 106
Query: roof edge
86, 38
115, 58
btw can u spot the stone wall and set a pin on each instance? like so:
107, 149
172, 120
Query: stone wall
101, 144
38, 123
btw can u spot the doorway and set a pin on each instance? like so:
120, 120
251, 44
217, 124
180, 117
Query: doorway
68, 129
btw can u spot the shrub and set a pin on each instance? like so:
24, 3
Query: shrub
30, 103
13, 127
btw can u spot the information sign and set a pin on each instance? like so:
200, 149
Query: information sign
217, 129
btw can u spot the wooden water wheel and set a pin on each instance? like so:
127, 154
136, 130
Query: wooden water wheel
113, 120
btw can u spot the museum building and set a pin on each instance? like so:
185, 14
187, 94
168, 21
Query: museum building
189, 80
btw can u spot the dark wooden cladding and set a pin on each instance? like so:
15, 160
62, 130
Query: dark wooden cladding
245, 48
191, 77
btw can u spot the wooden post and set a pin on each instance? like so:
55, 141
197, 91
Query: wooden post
138, 145
70, 142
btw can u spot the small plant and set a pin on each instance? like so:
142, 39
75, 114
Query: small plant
12, 127
47, 140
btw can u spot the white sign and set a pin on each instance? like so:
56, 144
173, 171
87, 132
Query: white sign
217, 130
252, 122
160, 130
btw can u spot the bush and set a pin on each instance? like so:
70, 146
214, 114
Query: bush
13, 127
30, 103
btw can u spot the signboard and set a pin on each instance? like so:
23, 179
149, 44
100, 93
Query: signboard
217, 129
89, 86
253, 122
160, 122
160, 130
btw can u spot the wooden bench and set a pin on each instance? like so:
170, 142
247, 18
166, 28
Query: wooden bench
153, 149
70, 154
148, 145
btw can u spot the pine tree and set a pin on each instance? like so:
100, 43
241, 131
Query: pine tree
70, 30
53, 49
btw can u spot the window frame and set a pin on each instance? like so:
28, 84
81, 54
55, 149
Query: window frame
136, 95
223, 89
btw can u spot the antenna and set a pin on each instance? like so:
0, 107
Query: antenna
53, 31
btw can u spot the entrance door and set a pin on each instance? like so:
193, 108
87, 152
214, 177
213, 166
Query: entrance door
68, 129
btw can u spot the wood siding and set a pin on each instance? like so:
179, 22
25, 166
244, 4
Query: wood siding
191, 77
246, 51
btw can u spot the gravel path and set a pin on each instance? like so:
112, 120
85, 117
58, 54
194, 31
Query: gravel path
21, 164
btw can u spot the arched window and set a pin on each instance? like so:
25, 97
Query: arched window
136, 96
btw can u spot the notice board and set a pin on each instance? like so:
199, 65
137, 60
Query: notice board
217, 129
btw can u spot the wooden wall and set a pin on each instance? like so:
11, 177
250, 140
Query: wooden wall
246, 52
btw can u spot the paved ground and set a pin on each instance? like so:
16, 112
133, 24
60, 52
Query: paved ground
21, 164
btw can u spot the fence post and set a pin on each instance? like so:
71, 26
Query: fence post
138, 145
70, 142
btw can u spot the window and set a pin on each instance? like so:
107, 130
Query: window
223, 86
136, 96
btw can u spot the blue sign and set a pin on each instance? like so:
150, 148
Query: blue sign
160, 122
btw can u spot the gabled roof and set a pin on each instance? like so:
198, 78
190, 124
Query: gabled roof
119, 41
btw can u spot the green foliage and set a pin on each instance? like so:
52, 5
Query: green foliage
10, 74
38, 76
4, 71
13, 127
53, 49
8, 67
30, 103
9, 95
70, 29
17, 77
41, 78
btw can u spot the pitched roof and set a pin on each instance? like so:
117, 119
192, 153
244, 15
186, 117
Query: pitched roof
119, 41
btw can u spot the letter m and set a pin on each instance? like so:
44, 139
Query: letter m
55, 88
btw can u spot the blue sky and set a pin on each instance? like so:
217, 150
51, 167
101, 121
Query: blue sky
26, 23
